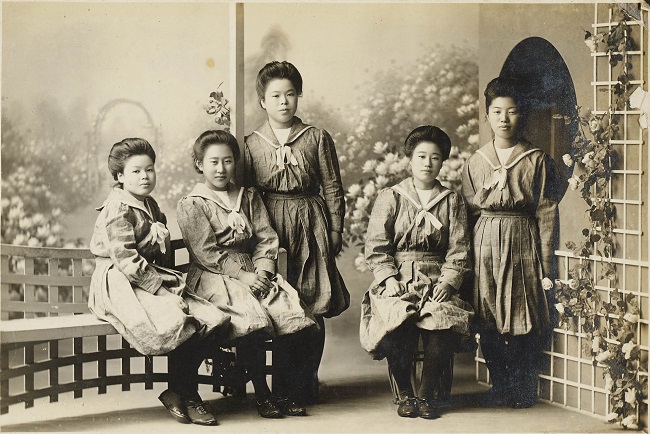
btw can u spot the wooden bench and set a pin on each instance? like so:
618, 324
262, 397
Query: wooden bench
51, 344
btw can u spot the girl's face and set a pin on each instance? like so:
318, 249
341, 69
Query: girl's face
426, 163
504, 117
139, 176
280, 102
218, 166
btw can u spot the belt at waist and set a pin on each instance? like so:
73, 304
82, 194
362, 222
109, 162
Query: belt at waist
418, 256
520, 214
287, 196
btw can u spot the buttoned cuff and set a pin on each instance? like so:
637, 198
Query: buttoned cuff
452, 279
384, 272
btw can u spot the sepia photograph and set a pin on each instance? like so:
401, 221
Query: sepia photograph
327, 217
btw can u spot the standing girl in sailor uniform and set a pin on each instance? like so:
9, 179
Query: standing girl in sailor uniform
512, 189
291, 163
417, 246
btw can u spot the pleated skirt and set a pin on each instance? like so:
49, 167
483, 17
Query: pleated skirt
302, 227
508, 293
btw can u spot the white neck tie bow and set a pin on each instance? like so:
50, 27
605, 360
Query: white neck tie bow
284, 156
159, 234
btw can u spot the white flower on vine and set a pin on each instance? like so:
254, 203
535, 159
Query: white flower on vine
19, 240
354, 190
631, 317
381, 169
630, 396
33, 242
343, 158
57, 229
630, 422
466, 154
595, 344
379, 147
5, 203
627, 348
56, 212
568, 160
594, 124
588, 156
574, 182
51, 241
369, 166
559, 307
608, 382
381, 181
454, 152
604, 356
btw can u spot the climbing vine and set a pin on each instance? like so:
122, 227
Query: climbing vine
609, 325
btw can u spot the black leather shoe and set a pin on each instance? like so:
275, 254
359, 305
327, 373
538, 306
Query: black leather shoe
175, 405
426, 410
199, 413
408, 408
266, 408
289, 407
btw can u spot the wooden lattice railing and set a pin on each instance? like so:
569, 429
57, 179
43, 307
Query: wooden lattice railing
51, 344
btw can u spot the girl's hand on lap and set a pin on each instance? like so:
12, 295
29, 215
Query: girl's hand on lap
442, 292
259, 285
393, 288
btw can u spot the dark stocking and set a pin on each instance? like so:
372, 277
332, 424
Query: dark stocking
438, 346
399, 347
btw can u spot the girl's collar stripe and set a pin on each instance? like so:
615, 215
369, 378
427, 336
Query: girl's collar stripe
433, 202
510, 165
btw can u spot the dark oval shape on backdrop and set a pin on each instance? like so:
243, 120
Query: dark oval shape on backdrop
550, 90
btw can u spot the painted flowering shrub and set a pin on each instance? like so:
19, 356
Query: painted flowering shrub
441, 90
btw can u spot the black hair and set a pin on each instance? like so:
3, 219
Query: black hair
505, 87
277, 70
213, 137
427, 133
122, 151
